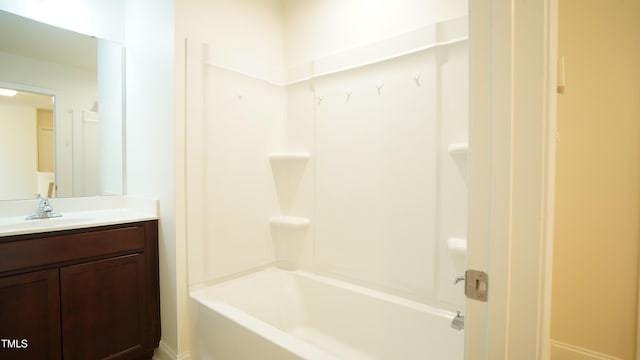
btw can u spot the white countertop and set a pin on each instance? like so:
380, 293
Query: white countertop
76, 213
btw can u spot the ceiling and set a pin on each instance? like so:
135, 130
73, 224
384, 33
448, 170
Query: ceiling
38, 101
26, 37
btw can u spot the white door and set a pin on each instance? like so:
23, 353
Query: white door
511, 157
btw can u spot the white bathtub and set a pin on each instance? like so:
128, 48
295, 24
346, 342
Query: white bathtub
278, 314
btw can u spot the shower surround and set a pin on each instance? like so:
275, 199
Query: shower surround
345, 172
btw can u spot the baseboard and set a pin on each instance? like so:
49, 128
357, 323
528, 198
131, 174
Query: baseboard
166, 352
564, 351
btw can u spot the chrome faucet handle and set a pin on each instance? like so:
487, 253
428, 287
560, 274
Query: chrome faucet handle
44, 205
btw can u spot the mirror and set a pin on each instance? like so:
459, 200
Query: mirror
61, 122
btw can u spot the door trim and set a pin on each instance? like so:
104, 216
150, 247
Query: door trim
512, 171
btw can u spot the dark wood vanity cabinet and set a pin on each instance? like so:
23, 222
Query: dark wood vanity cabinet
80, 294
30, 316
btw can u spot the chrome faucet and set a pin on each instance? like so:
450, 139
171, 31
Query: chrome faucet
45, 210
458, 322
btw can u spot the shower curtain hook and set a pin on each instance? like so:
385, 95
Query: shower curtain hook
349, 92
320, 98
379, 87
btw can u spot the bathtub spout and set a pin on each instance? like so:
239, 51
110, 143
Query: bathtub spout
458, 322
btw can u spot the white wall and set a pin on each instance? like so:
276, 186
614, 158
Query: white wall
245, 35
314, 29
18, 151
150, 149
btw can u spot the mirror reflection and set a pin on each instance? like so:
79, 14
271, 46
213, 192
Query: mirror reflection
61, 106
27, 142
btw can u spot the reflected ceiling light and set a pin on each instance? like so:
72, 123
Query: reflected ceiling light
7, 92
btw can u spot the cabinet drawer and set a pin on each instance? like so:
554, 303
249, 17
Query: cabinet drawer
62, 248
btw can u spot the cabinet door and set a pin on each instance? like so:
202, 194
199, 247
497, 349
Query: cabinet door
30, 316
103, 306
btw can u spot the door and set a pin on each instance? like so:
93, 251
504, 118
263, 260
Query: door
46, 140
103, 308
30, 316
511, 162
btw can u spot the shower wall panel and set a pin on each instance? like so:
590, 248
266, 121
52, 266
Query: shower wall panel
376, 174
243, 118
375, 194
234, 118
453, 90
233, 193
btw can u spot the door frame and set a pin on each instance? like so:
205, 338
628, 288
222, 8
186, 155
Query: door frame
513, 52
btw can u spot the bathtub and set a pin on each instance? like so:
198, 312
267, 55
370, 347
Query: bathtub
280, 314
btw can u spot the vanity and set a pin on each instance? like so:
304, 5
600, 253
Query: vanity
82, 286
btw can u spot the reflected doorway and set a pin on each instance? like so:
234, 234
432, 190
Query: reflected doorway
28, 145
46, 151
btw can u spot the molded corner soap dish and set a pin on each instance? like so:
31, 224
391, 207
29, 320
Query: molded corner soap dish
293, 222
295, 155
457, 246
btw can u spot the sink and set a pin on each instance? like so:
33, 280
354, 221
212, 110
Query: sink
16, 225
21, 224
77, 213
